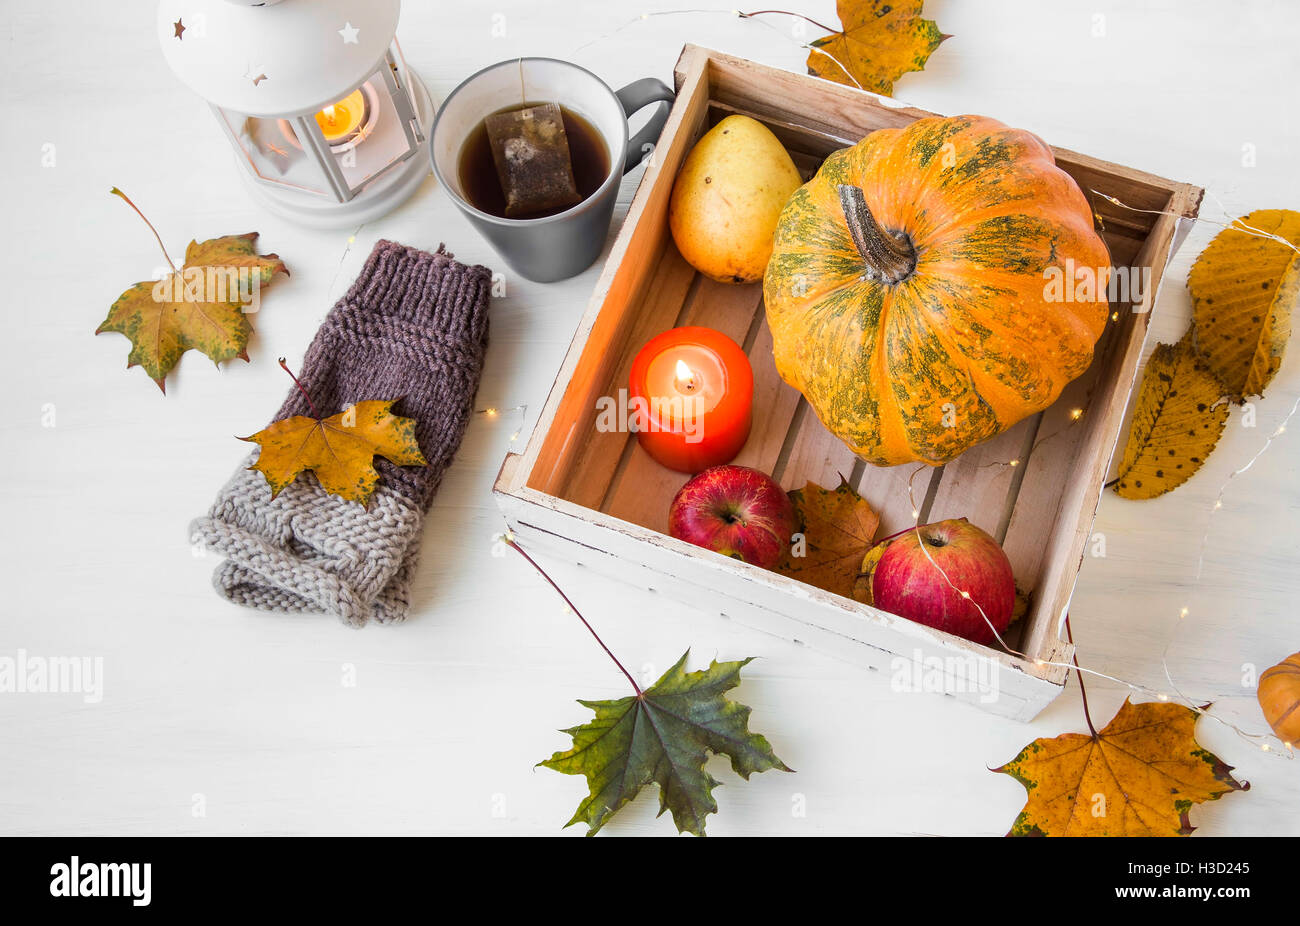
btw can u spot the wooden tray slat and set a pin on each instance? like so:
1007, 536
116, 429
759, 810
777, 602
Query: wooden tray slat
771, 393
895, 492
816, 455
980, 485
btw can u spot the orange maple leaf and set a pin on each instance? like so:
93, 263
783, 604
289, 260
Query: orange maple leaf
1140, 776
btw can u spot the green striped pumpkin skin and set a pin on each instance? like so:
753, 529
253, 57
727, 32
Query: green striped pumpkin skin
966, 345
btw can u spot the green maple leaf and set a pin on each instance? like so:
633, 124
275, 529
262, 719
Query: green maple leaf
663, 736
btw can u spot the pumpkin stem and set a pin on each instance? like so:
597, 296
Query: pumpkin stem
889, 258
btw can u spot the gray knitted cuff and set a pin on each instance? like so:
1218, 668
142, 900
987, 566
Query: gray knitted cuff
413, 325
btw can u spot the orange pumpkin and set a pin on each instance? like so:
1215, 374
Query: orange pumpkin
1279, 698
908, 289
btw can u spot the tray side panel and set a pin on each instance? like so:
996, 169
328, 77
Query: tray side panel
762, 601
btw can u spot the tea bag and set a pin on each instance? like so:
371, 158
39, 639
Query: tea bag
531, 152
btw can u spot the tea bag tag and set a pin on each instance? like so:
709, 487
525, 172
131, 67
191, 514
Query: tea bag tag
531, 153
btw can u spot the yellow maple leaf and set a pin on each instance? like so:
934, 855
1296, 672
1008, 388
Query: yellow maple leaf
881, 41
838, 527
339, 449
1140, 776
1177, 420
199, 307
1244, 288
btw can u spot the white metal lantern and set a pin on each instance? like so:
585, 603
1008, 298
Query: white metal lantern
329, 123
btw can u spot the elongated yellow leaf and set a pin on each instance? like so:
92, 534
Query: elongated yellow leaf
1244, 288
1176, 422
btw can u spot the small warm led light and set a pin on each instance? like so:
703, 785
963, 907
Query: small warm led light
915, 514
490, 412
1218, 505
1076, 413
965, 594
1162, 696
1014, 463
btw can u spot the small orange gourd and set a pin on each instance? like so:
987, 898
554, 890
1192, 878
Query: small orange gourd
908, 292
1279, 698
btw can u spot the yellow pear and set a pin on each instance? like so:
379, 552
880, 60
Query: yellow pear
727, 199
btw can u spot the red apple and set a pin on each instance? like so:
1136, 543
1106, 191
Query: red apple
905, 580
735, 511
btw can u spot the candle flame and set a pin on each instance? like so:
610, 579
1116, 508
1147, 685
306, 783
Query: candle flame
342, 118
685, 376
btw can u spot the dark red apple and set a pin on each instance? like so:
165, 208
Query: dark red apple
735, 511
905, 580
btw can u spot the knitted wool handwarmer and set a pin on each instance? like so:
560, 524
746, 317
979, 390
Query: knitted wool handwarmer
413, 325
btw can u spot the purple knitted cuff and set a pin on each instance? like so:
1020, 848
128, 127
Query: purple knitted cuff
414, 325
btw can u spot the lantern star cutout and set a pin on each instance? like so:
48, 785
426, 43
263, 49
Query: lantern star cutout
349, 33
179, 27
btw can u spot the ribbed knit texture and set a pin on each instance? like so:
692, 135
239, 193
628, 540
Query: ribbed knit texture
413, 325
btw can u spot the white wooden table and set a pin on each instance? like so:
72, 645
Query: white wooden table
219, 720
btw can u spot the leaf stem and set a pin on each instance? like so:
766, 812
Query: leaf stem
788, 13
116, 192
310, 404
514, 544
1083, 692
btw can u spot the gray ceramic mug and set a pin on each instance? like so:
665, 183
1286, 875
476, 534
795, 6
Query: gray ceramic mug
558, 246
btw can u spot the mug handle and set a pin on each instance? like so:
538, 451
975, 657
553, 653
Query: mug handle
634, 96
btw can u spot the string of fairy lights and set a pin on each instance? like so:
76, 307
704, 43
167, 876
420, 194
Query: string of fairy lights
493, 411
1265, 741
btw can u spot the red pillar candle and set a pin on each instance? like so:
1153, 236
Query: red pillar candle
692, 393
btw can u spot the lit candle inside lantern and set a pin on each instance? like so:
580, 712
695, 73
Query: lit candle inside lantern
341, 121
692, 392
